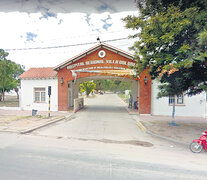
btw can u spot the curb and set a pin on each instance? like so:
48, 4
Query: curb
5, 131
84, 107
142, 127
167, 139
131, 112
44, 125
145, 130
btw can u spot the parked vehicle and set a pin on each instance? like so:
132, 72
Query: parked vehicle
198, 144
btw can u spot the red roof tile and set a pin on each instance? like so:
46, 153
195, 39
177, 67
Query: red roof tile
39, 73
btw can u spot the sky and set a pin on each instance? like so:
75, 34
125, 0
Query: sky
44, 33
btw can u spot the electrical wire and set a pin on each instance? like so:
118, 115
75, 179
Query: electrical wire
64, 46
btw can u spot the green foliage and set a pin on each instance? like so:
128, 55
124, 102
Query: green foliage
87, 86
124, 86
112, 85
167, 88
172, 43
152, 7
9, 72
81, 88
103, 84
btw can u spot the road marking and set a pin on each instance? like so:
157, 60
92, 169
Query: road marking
141, 126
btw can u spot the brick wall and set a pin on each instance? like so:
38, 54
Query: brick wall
145, 94
145, 90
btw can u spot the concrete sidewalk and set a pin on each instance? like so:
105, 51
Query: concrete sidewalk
16, 112
188, 128
18, 121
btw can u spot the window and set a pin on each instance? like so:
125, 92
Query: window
171, 99
179, 100
39, 94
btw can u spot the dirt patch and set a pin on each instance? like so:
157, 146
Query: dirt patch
21, 123
184, 132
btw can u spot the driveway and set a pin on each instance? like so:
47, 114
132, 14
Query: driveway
104, 117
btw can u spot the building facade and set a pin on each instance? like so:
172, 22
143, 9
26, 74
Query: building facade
100, 62
34, 89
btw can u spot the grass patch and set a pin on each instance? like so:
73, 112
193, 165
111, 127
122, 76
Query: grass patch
124, 97
10, 101
13, 118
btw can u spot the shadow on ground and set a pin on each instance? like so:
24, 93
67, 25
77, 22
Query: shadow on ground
105, 109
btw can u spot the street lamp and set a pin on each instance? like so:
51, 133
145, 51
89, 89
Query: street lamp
145, 80
61, 80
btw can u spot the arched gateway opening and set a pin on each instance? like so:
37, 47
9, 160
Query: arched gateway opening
101, 62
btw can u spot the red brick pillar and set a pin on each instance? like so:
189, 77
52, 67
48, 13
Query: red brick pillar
62, 95
63, 88
145, 93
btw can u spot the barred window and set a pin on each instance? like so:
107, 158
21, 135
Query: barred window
171, 99
39, 94
179, 100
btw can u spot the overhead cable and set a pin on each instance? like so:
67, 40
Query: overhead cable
63, 46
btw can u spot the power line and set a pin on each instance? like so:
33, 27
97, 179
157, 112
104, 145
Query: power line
63, 46
84, 35
74, 51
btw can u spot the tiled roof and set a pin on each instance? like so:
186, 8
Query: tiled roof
36, 73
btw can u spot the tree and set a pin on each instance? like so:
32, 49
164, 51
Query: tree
9, 72
6, 79
152, 7
171, 87
103, 84
81, 89
172, 39
112, 85
17, 71
99, 84
124, 86
88, 87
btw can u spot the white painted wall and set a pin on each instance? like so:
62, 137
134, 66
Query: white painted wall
134, 91
27, 94
194, 105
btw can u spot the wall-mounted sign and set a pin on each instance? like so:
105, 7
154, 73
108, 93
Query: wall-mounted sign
118, 62
123, 72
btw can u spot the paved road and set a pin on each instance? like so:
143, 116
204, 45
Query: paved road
102, 142
35, 157
104, 118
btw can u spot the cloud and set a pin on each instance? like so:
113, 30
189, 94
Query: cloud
88, 19
65, 6
60, 21
29, 30
99, 22
105, 7
106, 22
30, 36
46, 13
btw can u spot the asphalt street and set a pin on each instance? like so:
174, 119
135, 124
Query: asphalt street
102, 142
28, 159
